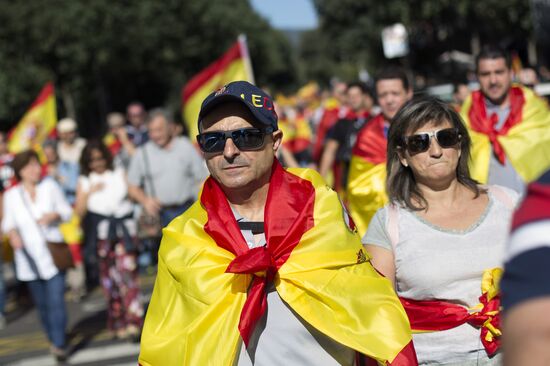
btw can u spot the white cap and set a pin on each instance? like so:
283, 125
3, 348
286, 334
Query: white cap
66, 125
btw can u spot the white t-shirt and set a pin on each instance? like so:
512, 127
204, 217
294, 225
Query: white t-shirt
112, 199
17, 203
437, 263
71, 152
283, 337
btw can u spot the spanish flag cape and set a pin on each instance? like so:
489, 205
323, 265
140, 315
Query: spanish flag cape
331, 113
437, 315
524, 139
366, 191
210, 288
297, 133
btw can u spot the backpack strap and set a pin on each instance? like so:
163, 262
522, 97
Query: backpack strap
502, 196
392, 224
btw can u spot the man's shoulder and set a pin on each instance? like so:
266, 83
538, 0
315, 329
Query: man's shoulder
195, 214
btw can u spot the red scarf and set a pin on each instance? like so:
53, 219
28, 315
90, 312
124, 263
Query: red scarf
437, 315
288, 215
479, 121
371, 143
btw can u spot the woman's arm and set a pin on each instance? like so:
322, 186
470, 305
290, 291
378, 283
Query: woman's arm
382, 260
15, 239
81, 201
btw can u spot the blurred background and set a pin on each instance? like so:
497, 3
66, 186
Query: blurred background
102, 55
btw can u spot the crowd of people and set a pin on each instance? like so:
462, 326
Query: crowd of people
260, 254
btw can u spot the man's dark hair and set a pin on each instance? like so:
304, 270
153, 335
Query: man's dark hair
393, 73
492, 52
361, 85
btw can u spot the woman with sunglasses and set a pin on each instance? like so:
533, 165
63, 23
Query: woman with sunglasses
102, 197
440, 235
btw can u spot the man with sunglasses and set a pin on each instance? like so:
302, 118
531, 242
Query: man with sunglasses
265, 268
509, 125
367, 174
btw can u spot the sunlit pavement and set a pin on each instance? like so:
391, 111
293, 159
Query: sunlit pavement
23, 342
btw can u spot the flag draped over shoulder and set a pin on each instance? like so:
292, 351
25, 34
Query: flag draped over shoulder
297, 133
232, 66
37, 123
524, 139
366, 191
210, 288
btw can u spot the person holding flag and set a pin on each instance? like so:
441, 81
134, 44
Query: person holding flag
509, 125
366, 192
266, 267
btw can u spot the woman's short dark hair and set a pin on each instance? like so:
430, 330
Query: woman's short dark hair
20, 160
86, 157
401, 183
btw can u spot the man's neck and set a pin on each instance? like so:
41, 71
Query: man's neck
250, 204
500, 104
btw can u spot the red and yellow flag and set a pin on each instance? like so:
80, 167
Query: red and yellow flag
296, 131
232, 66
366, 191
437, 315
524, 139
211, 287
37, 123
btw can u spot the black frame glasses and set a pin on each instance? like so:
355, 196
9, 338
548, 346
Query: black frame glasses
246, 139
420, 142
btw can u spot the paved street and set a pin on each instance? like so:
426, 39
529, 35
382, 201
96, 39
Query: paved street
22, 342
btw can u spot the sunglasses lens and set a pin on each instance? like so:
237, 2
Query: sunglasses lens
448, 137
418, 143
211, 141
244, 139
248, 138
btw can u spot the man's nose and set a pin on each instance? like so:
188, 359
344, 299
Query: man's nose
230, 150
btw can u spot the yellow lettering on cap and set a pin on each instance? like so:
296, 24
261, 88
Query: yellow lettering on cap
257, 100
242, 96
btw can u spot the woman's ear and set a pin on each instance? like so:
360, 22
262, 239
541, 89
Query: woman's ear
402, 159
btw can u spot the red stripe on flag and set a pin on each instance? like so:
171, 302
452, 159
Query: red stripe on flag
234, 53
45, 93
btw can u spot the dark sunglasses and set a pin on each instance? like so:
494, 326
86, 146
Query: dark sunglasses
243, 138
420, 142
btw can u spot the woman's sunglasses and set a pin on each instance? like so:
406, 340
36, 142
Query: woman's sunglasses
420, 142
244, 138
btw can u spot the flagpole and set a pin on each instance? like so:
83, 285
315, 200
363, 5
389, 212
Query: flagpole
246, 57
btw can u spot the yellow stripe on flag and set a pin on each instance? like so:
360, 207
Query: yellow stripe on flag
233, 65
37, 123
235, 71
366, 191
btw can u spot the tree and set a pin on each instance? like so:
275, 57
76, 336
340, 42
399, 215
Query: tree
103, 54
350, 29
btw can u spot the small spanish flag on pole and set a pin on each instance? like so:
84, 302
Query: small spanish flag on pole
232, 66
37, 123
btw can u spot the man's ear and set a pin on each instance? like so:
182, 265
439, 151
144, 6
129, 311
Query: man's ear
277, 140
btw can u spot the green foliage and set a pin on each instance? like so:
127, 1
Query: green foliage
349, 32
103, 54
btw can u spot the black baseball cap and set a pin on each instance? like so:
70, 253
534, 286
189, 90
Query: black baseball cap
258, 102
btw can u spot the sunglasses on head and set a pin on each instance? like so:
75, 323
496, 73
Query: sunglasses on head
420, 142
244, 138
